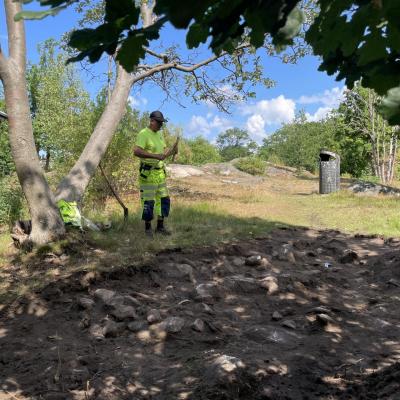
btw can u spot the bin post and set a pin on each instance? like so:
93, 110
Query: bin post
329, 172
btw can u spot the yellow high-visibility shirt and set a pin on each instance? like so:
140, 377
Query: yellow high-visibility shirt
152, 142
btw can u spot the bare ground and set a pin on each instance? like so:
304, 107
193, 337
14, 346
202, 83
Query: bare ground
299, 314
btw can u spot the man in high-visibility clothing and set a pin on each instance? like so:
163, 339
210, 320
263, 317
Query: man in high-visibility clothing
151, 149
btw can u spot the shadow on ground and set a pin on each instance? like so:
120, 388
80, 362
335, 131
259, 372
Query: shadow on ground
291, 314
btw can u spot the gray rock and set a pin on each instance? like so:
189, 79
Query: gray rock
154, 316
121, 312
273, 369
238, 261
131, 301
112, 329
325, 319
289, 323
240, 282
224, 370
173, 324
96, 331
320, 309
276, 316
86, 302
179, 271
198, 325
271, 284
105, 295
253, 261
207, 291
208, 309
137, 326
348, 257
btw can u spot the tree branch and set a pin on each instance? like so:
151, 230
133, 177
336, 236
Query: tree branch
16, 33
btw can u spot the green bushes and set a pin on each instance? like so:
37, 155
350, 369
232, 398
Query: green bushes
251, 165
11, 200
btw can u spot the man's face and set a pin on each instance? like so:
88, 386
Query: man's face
155, 125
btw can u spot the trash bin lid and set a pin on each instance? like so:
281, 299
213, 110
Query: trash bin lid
328, 153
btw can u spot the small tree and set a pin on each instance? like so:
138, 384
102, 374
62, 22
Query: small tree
203, 151
360, 113
235, 143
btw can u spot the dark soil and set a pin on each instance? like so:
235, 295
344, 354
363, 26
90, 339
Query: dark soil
301, 314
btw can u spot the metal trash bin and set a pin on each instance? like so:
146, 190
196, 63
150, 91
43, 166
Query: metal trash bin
329, 172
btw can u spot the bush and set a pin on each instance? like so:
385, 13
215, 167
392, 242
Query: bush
11, 200
251, 165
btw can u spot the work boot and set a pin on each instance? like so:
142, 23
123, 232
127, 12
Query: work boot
161, 228
149, 233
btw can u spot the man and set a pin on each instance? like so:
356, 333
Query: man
151, 149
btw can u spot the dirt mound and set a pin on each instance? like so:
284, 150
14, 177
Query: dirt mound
300, 314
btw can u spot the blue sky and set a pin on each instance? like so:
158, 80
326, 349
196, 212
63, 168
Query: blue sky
297, 87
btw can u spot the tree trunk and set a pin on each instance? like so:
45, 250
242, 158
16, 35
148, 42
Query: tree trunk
47, 165
47, 224
72, 186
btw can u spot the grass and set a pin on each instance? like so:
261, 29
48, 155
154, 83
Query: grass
205, 212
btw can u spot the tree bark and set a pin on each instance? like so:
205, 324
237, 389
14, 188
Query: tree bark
47, 224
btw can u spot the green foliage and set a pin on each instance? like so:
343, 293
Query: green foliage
235, 143
60, 107
252, 165
225, 23
11, 199
298, 144
360, 40
6, 161
203, 151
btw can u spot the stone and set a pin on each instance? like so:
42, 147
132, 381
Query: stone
131, 301
112, 328
243, 283
273, 369
238, 261
276, 316
348, 257
173, 324
179, 271
289, 323
137, 326
253, 261
325, 319
154, 316
80, 375
207, 291
208, 309
271, 284
198, 325
105, 295
86, 302
96, 331
224, 370
320, 309
121, 312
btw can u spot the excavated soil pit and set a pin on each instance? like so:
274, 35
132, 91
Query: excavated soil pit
301, 314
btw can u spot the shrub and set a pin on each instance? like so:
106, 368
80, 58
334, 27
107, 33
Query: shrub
11, 200
251, 165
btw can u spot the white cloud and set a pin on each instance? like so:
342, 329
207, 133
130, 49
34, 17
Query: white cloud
255, 126
320, 114
274, 111
329, 98
137, 102
200, 125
